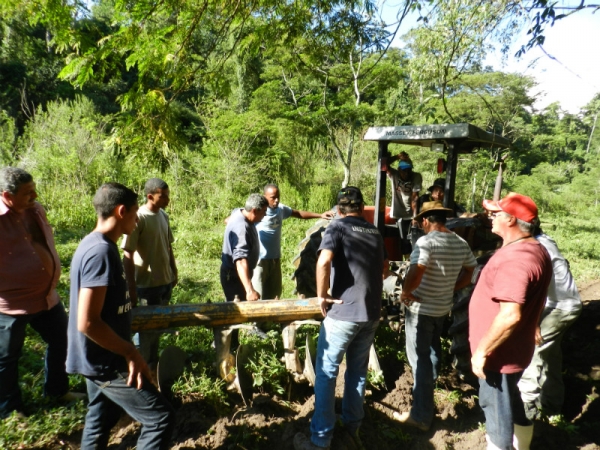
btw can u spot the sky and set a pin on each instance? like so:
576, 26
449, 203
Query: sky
572, 78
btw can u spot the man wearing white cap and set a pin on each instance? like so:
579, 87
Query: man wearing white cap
503, 316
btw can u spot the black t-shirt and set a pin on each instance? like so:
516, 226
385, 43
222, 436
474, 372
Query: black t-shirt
356, 274
97, 263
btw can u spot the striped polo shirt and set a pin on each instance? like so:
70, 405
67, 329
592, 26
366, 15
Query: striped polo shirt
443, 255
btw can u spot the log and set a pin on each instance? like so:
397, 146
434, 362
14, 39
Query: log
226, 313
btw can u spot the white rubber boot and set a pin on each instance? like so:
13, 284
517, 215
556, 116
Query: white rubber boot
522, 437
490, 444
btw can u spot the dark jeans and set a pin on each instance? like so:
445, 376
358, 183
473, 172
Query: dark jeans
107, 398
424, 352
52, 327
149, 340
231, 284
500, 399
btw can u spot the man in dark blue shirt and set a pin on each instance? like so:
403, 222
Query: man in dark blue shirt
100, 346
351, 260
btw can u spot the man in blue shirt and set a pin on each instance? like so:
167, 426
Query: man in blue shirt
99, 332
267, 274
352, 260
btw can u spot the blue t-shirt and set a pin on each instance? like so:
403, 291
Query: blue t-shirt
357, 268
240, 241
269, 231
97, 263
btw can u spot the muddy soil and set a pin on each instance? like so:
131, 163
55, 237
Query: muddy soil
272, 422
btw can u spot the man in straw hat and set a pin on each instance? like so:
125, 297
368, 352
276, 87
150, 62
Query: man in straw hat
503, 315
440, 263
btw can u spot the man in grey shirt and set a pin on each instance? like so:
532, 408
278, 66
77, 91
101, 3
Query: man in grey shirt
241, 249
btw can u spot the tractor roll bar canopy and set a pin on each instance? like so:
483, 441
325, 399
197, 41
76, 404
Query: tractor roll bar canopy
463, 136
451, 138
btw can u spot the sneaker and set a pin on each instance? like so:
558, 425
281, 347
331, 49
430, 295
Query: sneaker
72, 397
301, 442
406, 419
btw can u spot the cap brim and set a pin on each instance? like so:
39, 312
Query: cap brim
491, 205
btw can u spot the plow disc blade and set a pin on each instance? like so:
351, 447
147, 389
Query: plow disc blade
244, 381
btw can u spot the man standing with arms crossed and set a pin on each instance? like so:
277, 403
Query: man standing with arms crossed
352, 260
149, 263
441, 262
504, 313
100, 347
267, 274
29, 273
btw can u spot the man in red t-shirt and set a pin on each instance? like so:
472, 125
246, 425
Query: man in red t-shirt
504, 312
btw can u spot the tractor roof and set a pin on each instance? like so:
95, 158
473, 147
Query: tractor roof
465, 137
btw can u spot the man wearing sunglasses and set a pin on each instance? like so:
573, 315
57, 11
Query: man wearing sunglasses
503, 316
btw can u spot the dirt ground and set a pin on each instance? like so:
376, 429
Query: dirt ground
272, 422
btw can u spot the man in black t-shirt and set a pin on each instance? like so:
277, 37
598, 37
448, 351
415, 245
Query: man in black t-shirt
352, 260
99, 332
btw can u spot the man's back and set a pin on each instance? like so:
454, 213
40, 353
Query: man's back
444, 255
356, 269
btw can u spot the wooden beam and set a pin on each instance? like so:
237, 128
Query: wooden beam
226, 313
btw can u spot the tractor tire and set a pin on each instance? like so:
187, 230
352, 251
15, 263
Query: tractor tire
306, 260
459, 332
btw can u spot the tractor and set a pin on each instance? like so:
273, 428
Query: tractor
451, 141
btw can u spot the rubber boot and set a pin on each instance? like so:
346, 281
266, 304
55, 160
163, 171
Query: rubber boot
490, 444
522, 437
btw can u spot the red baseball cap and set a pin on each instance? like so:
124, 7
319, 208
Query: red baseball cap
520, 206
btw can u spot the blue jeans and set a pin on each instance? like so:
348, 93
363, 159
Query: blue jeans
542, 383
52, 328
336, 338
107, 399
148, 340
423, 349
500, 399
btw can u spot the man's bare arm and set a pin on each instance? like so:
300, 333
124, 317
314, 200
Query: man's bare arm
464, 278
311, 215
411, 282
243, 271
129, 267
90, 323
173, 265
502, 327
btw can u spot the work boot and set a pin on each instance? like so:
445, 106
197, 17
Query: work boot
522, 437
406, 419
351, 439
301, 442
